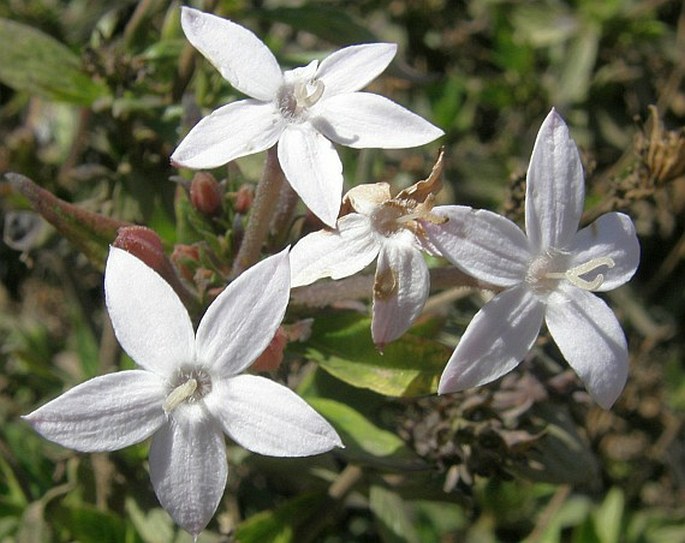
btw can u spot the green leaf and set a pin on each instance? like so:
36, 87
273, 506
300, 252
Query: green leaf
331, 23
609, 517
411, 366
89, 232
363, 440
37, 63
280, 525
394, 524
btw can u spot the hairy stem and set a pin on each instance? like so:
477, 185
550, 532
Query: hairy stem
263, 206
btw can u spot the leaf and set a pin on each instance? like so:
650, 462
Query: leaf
280, 525
89, 232
411, 366
155, 526
363, 440
608, 517
37, 63
331, 23
395, 526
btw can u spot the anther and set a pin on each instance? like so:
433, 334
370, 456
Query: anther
308, 94
574, 274
179, 395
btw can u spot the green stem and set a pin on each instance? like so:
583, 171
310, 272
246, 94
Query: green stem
263, 206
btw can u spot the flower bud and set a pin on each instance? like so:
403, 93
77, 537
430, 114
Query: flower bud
186, 259
243, 199
206, 194
143, 243
272, 356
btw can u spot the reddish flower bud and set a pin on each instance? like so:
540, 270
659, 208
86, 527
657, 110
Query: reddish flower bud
243, 199
144, 243
272, 357
206, 194
186, 259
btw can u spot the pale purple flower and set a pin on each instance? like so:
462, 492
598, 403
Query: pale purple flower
188, 391
384, 227
548, 275
302, 110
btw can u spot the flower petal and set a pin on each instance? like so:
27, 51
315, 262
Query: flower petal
591, 340
554, 187
354, 67
313, 169
495, 341
612, 235
400, 289
482, 243
188, 467
149, 320
237, 53
362, 119
232, 131
105, 413
242, 320
270, 419
333, 253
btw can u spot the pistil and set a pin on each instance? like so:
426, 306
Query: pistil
573, 275
179, 395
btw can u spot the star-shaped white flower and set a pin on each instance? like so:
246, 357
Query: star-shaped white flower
187, 392
302, 110
384, 227
549, 275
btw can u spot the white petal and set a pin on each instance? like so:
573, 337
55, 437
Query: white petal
554, 187
612, 235
334, 253
362, 119
354, 67
591, 340
482, 243
270, 419
243, 319
188, 467
105, 413
400, 289
495, 341
313, 169
232, 131
149, 320
237, 53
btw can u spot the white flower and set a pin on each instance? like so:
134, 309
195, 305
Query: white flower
187, 392
548, 275
301, 110
384, 227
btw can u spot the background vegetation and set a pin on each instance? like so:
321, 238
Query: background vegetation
94, 96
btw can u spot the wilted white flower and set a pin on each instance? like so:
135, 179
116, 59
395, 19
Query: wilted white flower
302, 110
378, 225
548, 275
188, 391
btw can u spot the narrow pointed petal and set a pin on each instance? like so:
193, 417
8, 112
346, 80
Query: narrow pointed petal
400, 289
612, 235
232, 131
188, 467
105, 413
361, 120
495, 341
313, 168
334, 253
240, 56
354, 67
149, 320
592, 342
243, 319
482, 243
270, 419
555, 187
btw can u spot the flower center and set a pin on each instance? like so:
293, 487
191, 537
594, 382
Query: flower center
395, 214
547, 269
294, 99
190, 385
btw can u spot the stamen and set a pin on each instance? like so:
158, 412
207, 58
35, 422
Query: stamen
179, 395
307, 94
573, 275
